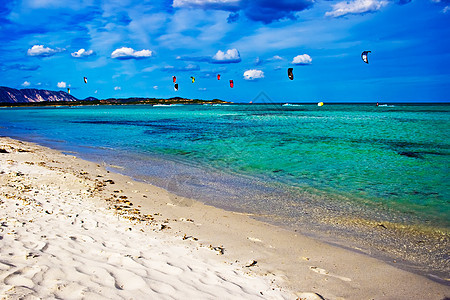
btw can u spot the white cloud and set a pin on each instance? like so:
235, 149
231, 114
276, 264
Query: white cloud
192, 67
26, 83
155, 87
117, 88
128, 53
82, 53
205, 3
150, 69
253, 74
52, 4
62, 85
40, 50
276, 57
231, 56
355, 7
202, 89
303, 59
188, 68
446, 9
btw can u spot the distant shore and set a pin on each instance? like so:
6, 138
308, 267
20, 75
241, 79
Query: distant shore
116, 101
11, 97
186, 101
57, 205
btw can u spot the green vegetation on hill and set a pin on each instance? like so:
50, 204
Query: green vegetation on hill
112, 101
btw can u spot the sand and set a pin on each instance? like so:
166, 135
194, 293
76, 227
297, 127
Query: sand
71, 229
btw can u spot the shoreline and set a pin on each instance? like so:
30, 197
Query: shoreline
294, 262
402, 242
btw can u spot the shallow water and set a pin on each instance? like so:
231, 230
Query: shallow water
300, 166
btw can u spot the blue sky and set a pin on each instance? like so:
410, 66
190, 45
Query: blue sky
132, 48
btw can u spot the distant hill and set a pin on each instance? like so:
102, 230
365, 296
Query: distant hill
10, 95
35, 97
90, 99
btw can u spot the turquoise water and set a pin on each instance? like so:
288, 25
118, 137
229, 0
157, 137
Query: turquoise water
390, 163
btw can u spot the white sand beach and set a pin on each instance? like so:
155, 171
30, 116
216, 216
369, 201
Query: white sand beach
71, 229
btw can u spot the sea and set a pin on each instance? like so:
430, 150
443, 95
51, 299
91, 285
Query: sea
371, 178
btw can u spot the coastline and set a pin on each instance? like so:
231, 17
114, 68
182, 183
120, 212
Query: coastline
397, 239
283, 263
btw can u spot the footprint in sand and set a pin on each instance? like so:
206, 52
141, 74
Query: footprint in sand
83, 238
35, 245
126, 280
325, 272
19, 292
22, 277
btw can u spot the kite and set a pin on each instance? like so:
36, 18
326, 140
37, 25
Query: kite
218, 76
85, 79
68, 90
290, 74
175, 87
365, 57
174, 78
193, 79
231, 84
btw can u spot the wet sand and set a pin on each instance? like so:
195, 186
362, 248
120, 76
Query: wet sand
72, 229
